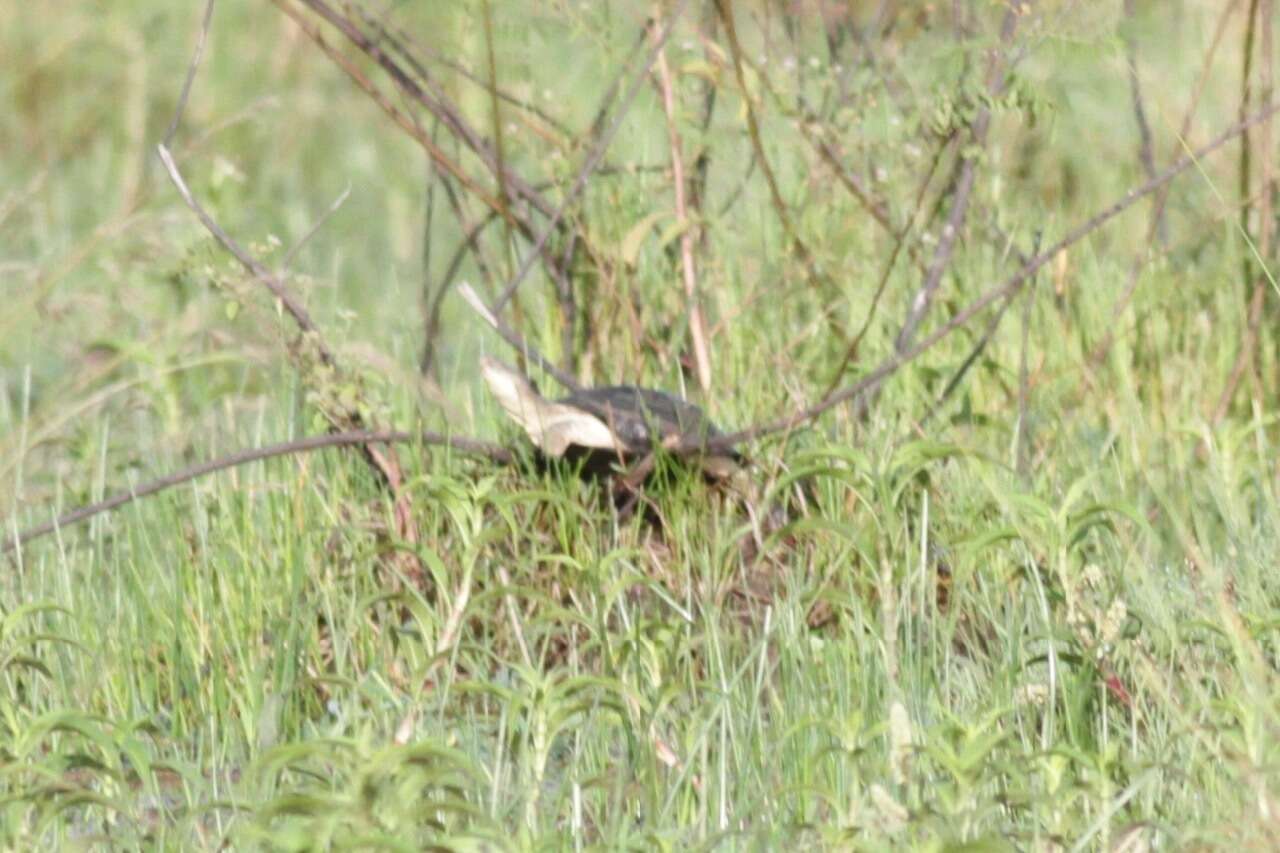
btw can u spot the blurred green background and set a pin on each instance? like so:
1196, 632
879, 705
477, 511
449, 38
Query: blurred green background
1041, 623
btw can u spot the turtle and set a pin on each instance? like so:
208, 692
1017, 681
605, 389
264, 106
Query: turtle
609, 424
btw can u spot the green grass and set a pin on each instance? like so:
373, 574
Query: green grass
894, 639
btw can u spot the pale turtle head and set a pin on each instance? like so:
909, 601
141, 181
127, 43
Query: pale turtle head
552, 427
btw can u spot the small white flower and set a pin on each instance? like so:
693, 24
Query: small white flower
1092, 576
1113, 622
1035, 695
900, 742
892, 816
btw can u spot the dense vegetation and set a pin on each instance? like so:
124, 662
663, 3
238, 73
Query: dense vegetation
1022, 593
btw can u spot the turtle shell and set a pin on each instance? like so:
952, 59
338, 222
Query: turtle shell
600, 426
642, 417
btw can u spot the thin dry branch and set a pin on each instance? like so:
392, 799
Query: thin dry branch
519, 344
424, 91
1161, 199
1006, 289
900, 240
401, 41
967, 165
780, 208
593, 159
697, 323
361, 438
405, 122
273, 283
1146, 148
287, 260
983, 340
385, 465
878, 207
1261, 11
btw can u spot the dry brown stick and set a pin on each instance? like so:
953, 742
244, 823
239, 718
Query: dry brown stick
967, 165
1161, 200
287, 260
407, 124
273, 283
805, 118
1010, 286
400, 42
876, 207
702, 162
426, 93
593, 159
469, 245
1146, 148
513, 338
495, 105
433, 97
1257, 301
757, 145
697, 323
984, 340
900, 240
431, 296
385, 465
493, 452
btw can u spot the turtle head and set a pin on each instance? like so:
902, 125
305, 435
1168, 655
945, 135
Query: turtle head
553, 427
512, 389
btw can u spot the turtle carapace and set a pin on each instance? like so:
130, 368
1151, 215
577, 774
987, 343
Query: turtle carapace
608, 424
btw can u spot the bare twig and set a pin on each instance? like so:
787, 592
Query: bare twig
313, 230
900, 240
196, 56
876, 207
987, 334
702, 163
400, 42
495, 108
697, 324
385, 465
1009, 287
406, 123
1023, 448
273, 283
426, 92
470, 245
969, 361
513, 338
592, 160
1146, 149
1161, 199
753, 132
964, 187
1262, 10
806, 120
493, 452
432, 296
